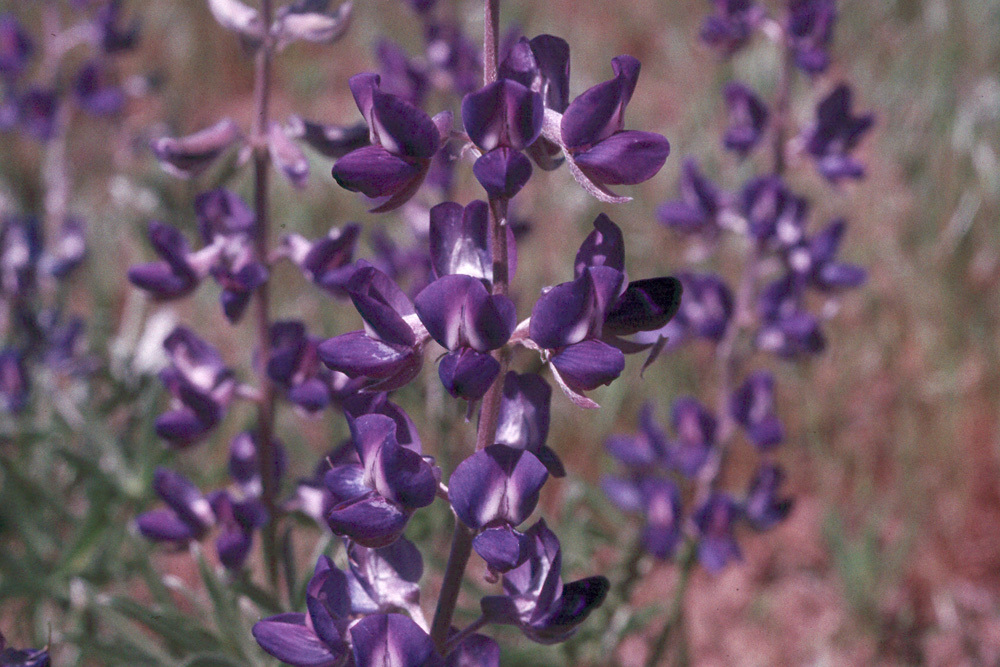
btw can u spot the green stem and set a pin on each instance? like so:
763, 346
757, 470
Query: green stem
675, 615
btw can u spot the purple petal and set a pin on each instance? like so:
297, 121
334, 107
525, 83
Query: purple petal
605, 246
624, 158
346, 482
402, 128
392, 640
289, 639
599, 112
475, 651
468, 374
563, 315
357, 354
375, 172
287, 156
499, 483
371, 520
625, 494
459, 240
646, 305
503, 548
187, 156
504, 113
332, 141
502, 172
589, 364
163, 525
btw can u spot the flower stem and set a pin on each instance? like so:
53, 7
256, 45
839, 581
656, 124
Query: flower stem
266, 406
461, 541
675, 615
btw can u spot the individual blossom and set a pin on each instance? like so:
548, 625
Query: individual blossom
389, 351
752, 407
706, 307
403, 141
730, 28
327, 262
702, 208
600, 151
762, 507
460, 242
493, 491
95, 92
536, 600
294, 365
328, 140
188, 515
787, 329
201, 387
523, 420
179, 271
385, 580
814, 260
117, 35
747, 119
188, 156
238, 517
809, 31
68, 251
776, 216
715, 521
16, 48
835, 133
37, 110
20, 251
469, 322
695, 430
377, 496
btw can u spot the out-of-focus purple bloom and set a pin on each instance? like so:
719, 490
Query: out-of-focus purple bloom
752, 406
116, 36
701, 206
715, 519
747, 118
835, 133
775, 214
294, 365
460, 241
546, 610
287, 156
68, 251
16, 47
468, 321
454, 56
315, 638
14, 383
377, 497
403, 141
328, 140
694, 427
327, 262
662, 511
237, 518
188, 515
815, 261
523, 422
180, 270
792, 335
601, 152
188, 156
243, 466
401, 75
310, 21
645, 449
201, 387
493, 491
20, 250
38, 108
389, 352
762, 507
732, 25
706, 306
95, 92
809, 31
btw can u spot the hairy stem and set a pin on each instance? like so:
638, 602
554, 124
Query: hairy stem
675, 614
266, 406
461, 541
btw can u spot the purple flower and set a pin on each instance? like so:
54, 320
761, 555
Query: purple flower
809, 31
815, 261
493, 491
243, 467
377, 496
401, 75
188, 515
95, 92
188, 156
403, 141
327, 262
287, 156
791, 335
775, 214
523, 422
116, 37
37, 110
601, 152
68, 251
661, 504
716, 544
762, 507
20, 250
12, 657
328, 140
645, 449
293, 364
16, 47
732, 25
695, 429
835, 133
546, 610
747, 119
392, 640
468, 321
706, 306
178, 273
701, 207
389, 352
14, 384
237, 519
386, 579
460, 242
201, 387
457, 59
752, 406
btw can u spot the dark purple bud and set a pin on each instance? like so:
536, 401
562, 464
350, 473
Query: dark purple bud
238, 286
15, 47
38, 109
328, 140
752, 406
95, 93
747, 118
645, 305
187, 505
523, 422
809, 32
732, 25
392, 640
468, 374
662, 506
172, 277
502, 172
188, 156
762, 507
694, 427
605, 246
14, 384
716, 545
835, 133
700, 208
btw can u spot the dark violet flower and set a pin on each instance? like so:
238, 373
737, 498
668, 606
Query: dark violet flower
16, 47
389, 352
328, 140
835, 134
37, 111
732, 25
95, 92
243, 468
774, 213
469, 322
317, 637
116, 35
752, 406
14, 383
294, 365
762, 507
502, 119
237, 518
791, 335
716, 544
523, 422
701, 207
815, 261
601, 152
179, 271
201, 387
694, 428
376, 497
190, 155
29, 657
809, 31
646, 448
403, 141
493, 491
20, 251
327, 262
661, 505
385, 580
460, 241
747, 118
188, 515
546, 610
392, 640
